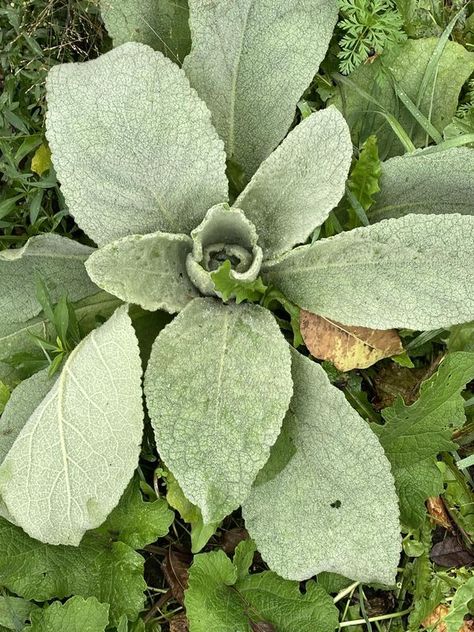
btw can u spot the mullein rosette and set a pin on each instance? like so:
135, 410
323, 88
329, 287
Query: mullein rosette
240, 417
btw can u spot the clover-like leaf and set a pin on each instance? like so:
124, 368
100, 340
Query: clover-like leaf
297, 186
149, 270
250, 62
57, 260
410, 272
341, 518
162, 25
426, 182
73, 458
133, 145
215, 436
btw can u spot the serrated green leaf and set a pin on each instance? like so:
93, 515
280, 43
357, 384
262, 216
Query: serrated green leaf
408, 65
413, 435
76, 615
82, 442
222, 596
344, 517
459, 606
15, 612
141, 130
426, 182
365, 176
229, 288
60, 264
297, 186
412, 272
239, 55
162, 25
240, 371
148, 270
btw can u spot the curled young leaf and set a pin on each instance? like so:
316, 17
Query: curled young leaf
250, 62
216, 436
413, 272
148, 270
345, 346
342, 518
73, 458
124, 130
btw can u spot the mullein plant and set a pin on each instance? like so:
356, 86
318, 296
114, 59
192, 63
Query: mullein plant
240, 417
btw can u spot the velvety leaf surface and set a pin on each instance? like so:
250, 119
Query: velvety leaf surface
135, 521
76, 615
240, 65
148, 270
162, 25
16, 337
344, 517
215, 436
76, 453
124, 130
433, 182
297, 186
219, 598
408, 65
412, 272
345, 346
57, 260
23, 402
413, 435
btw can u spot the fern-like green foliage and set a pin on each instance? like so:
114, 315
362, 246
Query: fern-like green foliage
368, 26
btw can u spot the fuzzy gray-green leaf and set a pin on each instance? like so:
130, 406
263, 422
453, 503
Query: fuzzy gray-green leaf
148, 270
133, 145
76, 453
426, 182
215, 436
341, 518
413, 272
250, 62
297, 186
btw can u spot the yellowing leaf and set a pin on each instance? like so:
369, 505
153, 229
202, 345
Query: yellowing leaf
347, 347
41, 161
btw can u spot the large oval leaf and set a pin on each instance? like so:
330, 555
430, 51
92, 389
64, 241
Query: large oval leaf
413, 272
333, 506
58, 261
133, 145
217, 388
251, 61
74, 456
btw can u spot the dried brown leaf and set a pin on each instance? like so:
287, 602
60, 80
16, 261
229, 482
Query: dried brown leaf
175, 568
232, 538
179, 623
262, 626
438, 513
436, 619
347, 347
451, 552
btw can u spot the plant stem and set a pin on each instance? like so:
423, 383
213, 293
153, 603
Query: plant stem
345, 592
383, 617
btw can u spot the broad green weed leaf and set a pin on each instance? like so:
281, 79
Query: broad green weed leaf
76, 615
365, 176
297, 186
342, 518
162, 25
222, 596
148, 270
240, 64
23, 402
412, 272
57, 260
76, 453
413, 435
15, 612
217, 435
426, 182
459, 606
461, 337
408, 65
135, 521
143, 155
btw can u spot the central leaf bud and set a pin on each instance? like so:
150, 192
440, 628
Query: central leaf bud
225, 234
